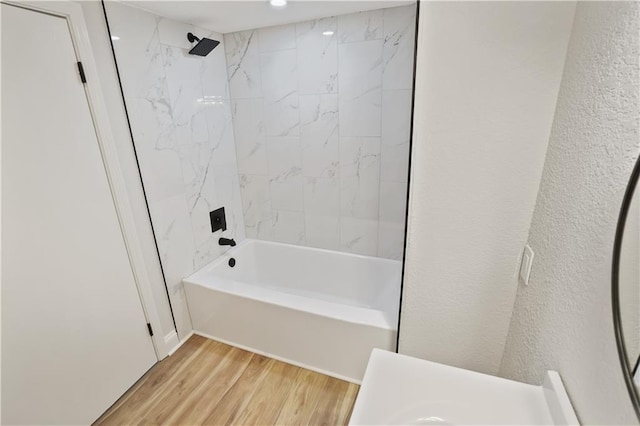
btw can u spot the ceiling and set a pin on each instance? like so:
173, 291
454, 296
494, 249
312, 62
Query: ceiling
229, 16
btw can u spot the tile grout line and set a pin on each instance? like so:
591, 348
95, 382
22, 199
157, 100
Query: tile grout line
382, 64
339, 173
304, 210
266, 144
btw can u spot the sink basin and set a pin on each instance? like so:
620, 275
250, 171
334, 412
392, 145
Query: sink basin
398, 389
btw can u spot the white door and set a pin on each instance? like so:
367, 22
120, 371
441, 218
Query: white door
74, 335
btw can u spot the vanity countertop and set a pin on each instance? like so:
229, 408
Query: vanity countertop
398, 389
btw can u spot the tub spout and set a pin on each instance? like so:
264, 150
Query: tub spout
227, 242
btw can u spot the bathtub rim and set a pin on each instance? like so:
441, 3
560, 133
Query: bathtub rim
246, 241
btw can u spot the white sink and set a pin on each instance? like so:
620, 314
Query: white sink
398, 389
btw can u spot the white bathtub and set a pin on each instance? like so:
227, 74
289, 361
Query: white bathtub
318, 309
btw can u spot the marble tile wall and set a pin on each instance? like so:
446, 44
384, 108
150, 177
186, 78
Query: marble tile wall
321, 112
181, 119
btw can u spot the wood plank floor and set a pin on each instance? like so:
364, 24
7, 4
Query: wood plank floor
210, 383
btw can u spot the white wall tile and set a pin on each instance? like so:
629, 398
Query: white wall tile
158, 155
279, 71
138, 51
396, 116
194, 149
322, 231
319, 135
206, 242
286, 191
285, 173
317, 43
214, 65
324, 143
256, 205
279, 37
394, 164
288, 227
390, 240
249, 131
393, 201
359, 177
172, 226
223, 191
243, 64
282, 116
174, 33
283, 155
211, 169
360, 197
182, 126
360, 26
152, 124
360, 80
396, 126
399, 44
228, 194
222, 157
322, 196
161, 171
359, 236
360, 116
179, 66
199, 180
360, 67
359, 156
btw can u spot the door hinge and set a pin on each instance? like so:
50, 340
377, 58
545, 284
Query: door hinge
81, 71
150, 329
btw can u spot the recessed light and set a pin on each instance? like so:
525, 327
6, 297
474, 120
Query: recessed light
278, 3
327, 33
114, 38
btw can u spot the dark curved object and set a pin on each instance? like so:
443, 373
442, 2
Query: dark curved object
615, 288
192, 38
227, 242
204, 46
232, 262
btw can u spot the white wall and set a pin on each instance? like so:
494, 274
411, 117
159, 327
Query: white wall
181, 121
563, 319
487, 83
103, 57
322, 125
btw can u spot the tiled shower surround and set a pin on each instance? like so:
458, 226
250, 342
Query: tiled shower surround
302, 135
321, 113
180, 116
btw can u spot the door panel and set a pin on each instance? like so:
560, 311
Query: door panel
74, 335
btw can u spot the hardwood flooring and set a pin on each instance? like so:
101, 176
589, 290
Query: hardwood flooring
210, 383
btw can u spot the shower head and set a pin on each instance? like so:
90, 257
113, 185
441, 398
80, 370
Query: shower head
204, 46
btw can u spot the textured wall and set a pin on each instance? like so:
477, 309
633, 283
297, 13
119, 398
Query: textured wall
181, 121
562, 320
321, 111
487, 83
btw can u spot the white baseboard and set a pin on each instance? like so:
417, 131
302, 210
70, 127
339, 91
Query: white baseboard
177, 343
171, 340
279, 358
